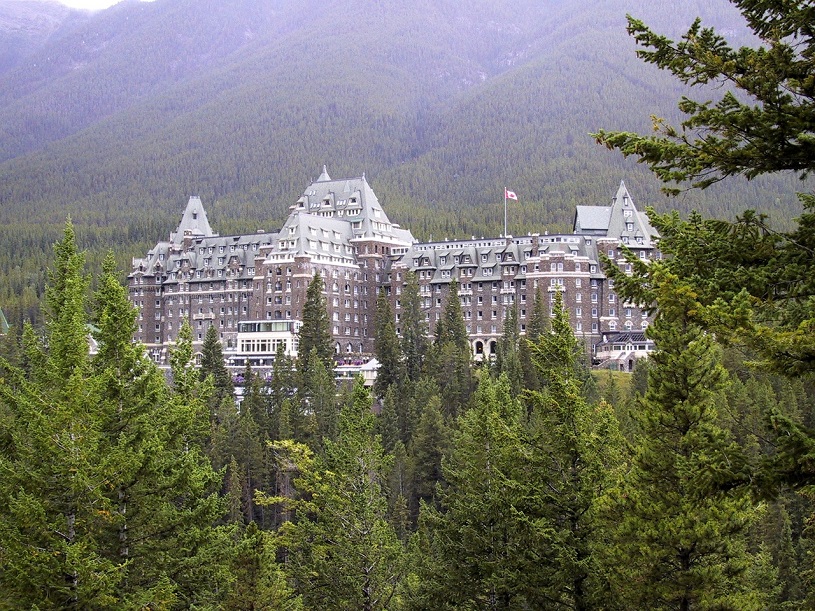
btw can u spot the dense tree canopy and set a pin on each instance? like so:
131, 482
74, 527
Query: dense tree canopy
107, 498
754, 285
764, 122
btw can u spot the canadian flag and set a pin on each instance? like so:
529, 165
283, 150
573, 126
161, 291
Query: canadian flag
510, 195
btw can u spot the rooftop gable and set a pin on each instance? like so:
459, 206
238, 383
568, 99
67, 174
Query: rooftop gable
194, 222
626, 223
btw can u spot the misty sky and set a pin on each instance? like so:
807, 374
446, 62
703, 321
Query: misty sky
89, 4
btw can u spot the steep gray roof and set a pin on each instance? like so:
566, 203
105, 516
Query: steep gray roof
621, 220
626, 223
316, 235
591, 219
193, 223
209, 254
350, 200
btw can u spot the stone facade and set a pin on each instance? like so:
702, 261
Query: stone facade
339, 229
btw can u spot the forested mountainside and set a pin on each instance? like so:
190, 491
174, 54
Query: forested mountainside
116, 118
27, 25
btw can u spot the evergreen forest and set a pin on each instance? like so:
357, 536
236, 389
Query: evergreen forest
527, 482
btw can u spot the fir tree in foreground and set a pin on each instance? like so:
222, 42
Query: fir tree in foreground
576, 453
340, 550
449, 360
481, 548
678, 545
106, 498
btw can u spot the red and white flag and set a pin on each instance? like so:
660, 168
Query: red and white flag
510, 195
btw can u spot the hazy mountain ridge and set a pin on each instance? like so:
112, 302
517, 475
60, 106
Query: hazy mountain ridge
27, 25
118, 120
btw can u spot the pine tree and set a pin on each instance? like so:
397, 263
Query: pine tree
259, 580
754, 283
451, 327
341, 551
319, 405
255, 402
677, 546
409, 408
414, 329
107, 499
316, 329
212, 363
508, 359
539, 320
451, 357
388, 424
577, 453
399, 491
764, 120
386, 348
479, 550
238, 437
537, 327
282, 388
52, 481
427, 448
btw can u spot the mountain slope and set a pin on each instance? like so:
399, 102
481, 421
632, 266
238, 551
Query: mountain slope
118, 119
27, 25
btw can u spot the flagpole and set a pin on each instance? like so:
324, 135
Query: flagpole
505, 212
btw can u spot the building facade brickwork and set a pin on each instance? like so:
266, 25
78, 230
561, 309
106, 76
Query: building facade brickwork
339, 229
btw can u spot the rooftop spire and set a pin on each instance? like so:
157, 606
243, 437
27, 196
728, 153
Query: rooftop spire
194, 221
324, 176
